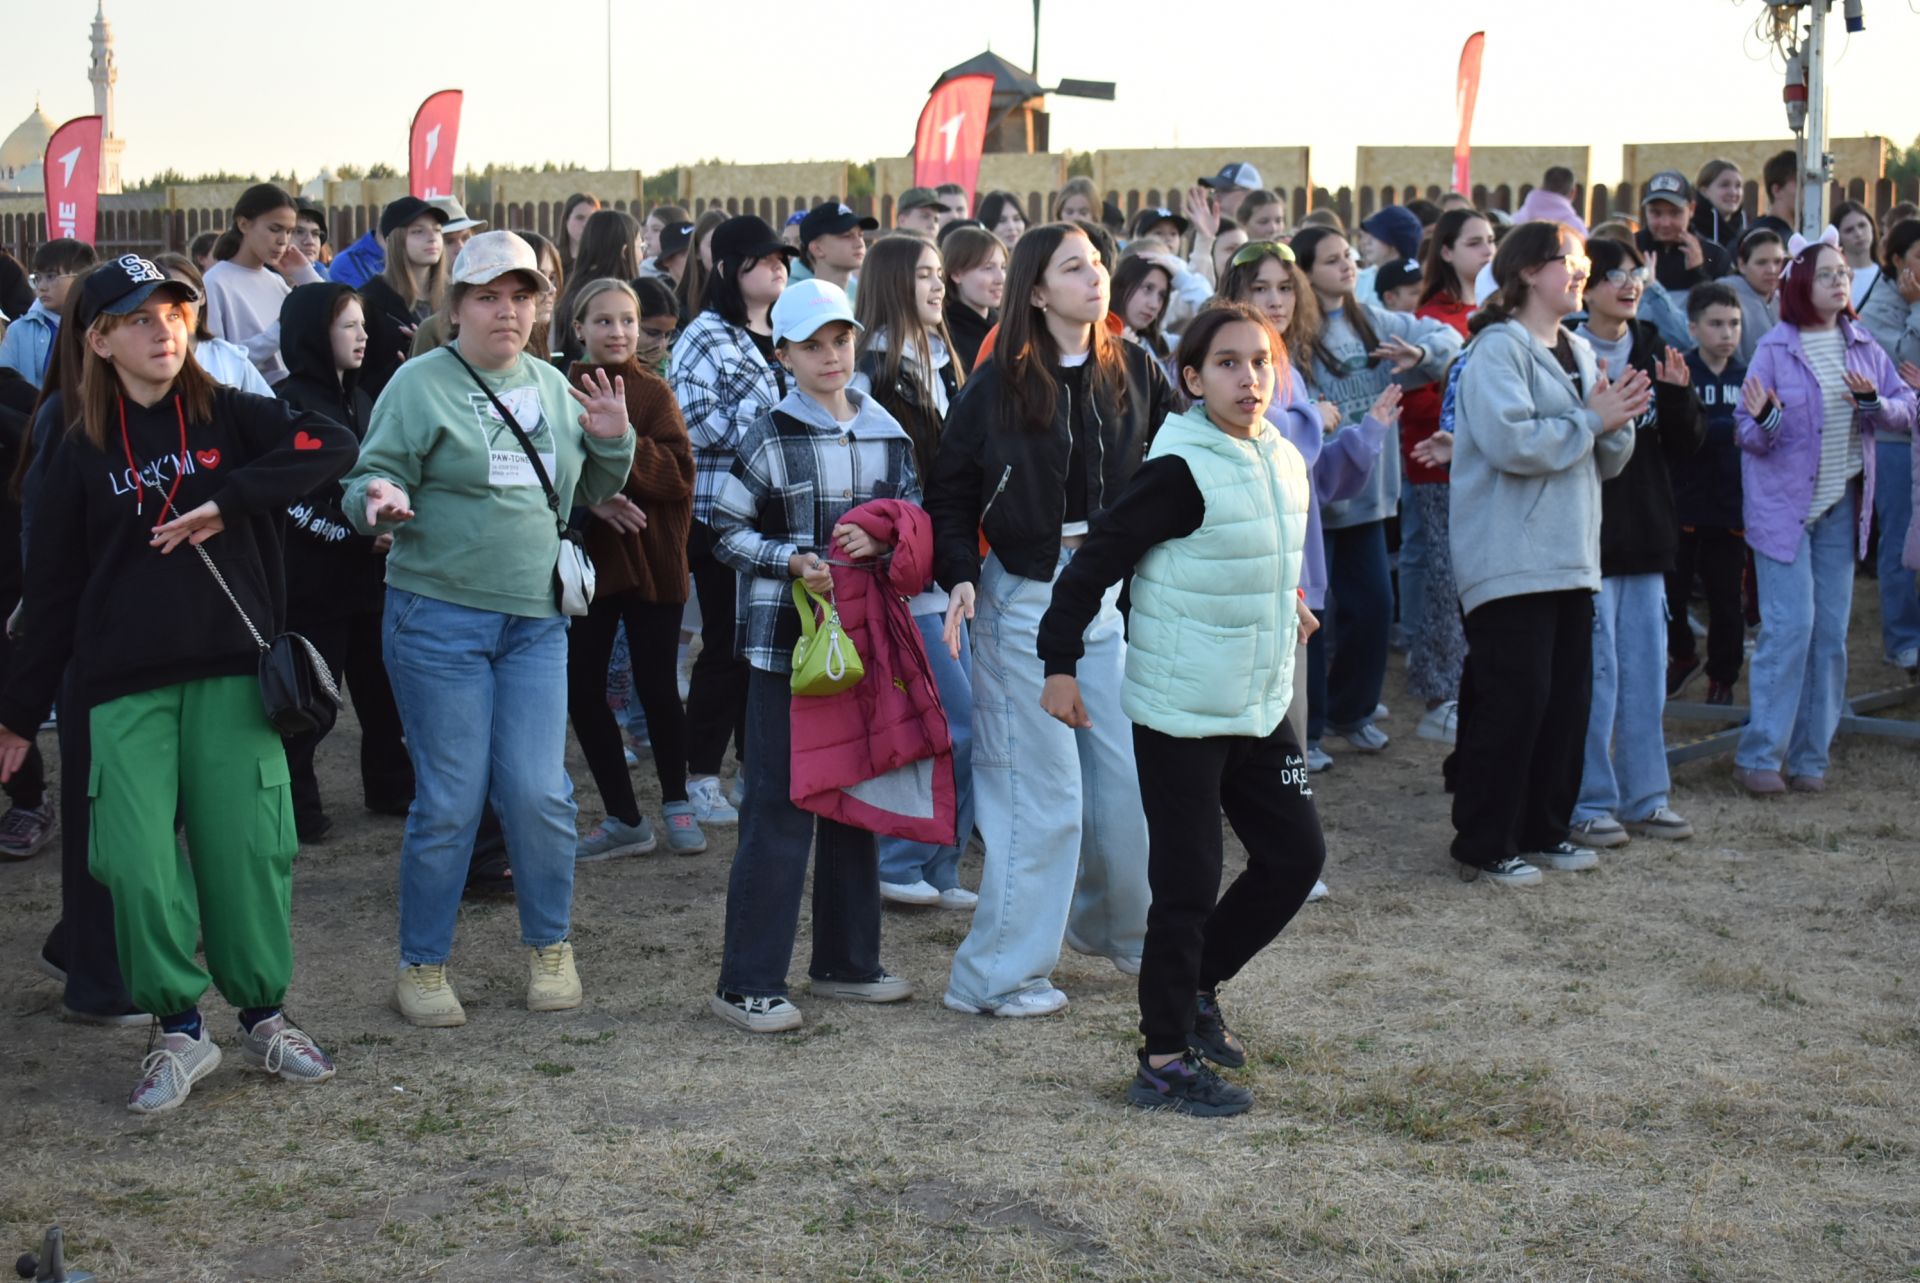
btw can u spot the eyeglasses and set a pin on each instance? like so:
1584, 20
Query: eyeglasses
1833, 275
1621, 276
1577, 264
1254, 251
41, 281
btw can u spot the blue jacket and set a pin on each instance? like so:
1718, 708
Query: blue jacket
28, 344
359, 262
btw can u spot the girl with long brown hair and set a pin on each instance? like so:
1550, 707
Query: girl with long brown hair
1042, 439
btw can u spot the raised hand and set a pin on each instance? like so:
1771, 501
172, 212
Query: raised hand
1758, 396
1200, 211
605, 404
387, 502
1402, 354
194, 527
1386, 407
1672, 369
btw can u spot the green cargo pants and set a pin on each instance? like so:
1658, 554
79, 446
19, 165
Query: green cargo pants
205, 751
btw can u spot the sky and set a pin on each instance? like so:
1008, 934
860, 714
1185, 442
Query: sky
247, 87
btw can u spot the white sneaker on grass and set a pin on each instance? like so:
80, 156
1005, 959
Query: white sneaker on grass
1663, 824
276, 1047
886, 988
1513, 872
958, 898
1600, 833
171, 1069
709, 807
755, 1015
917, 893
1044, 1001
1565, 857
1126, 966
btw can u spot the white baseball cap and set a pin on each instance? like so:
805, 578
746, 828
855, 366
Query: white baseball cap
491, 255
805, 306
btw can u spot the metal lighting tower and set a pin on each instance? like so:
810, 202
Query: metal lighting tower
1805, 95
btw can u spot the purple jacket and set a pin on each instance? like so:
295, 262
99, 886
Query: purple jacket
1340, 465
1778, 470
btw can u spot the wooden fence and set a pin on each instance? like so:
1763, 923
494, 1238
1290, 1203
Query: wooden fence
132, 224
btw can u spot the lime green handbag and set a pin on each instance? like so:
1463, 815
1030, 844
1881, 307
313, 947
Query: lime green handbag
824, 660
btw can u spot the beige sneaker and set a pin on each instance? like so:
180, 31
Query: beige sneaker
423, 997
552, 983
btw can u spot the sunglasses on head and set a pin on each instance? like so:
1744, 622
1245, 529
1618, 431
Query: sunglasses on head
1254, 251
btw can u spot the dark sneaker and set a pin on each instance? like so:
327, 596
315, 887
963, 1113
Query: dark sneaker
24, 830
1680, 672
1719, 693
1211, 1038
1187, 1086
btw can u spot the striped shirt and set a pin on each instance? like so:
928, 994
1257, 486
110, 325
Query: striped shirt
1840, 455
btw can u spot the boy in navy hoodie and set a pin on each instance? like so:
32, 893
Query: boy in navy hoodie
1706, 499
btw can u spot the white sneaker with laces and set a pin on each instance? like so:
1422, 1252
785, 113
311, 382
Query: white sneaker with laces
918, 893
1044, 1001
1512, 872
1441, 724
709, 807
755, 1015
273, 1046
1600, 833
1565, 857
1664, 824
171, 1069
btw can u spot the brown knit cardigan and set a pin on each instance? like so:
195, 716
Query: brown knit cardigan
653, 562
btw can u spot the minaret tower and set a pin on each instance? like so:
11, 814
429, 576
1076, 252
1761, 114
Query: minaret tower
103, 72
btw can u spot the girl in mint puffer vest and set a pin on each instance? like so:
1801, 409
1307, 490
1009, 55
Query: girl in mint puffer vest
1212, 528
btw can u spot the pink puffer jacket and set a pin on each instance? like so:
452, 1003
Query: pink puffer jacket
878, 755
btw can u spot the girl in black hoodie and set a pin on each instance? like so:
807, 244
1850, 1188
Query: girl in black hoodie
157, 457
336, 577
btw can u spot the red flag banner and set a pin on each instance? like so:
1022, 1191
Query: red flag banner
436, 128
1466, 93
951, 133
72, 171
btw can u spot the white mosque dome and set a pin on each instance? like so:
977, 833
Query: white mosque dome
27, 144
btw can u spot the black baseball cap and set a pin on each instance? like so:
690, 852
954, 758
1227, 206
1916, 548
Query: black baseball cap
1151, 216
313, 212
1393, 275
400, 213
833, 220
1669, 185
119, 285
674, 239
746, 236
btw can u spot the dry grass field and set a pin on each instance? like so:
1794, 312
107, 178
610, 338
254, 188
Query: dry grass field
1699, 1062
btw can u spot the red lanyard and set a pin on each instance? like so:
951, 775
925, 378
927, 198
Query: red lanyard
179, 466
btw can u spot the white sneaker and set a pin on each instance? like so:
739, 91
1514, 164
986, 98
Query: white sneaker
1512, 872
1125, 966
1441, 724
1381, 713
1565, 857
169, 1072
1044, 1001
1319, 892
1318, 760
1365, 738
956, 898
709, 807
921, 892
1601, 833
755, 1015
1663, 824
887, 988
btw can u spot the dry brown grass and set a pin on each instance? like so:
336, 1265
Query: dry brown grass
1697, 1063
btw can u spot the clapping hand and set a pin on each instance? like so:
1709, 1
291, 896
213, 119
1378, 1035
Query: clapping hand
1758, 396
1386, 407
1861, 386
1619, 404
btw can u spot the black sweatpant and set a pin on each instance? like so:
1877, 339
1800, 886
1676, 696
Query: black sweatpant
1516, 768
717, 695
351, 646
653, 642
1719, 557
28, 787
83, 941
1194, 943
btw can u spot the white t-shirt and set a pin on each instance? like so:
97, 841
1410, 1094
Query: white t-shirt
243, 306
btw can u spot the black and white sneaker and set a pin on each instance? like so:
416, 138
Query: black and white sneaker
755, 1015
1211, 1038
1510, 872
1187, 1086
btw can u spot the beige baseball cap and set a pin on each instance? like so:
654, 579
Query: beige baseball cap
491, 255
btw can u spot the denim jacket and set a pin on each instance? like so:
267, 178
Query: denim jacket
1778, 466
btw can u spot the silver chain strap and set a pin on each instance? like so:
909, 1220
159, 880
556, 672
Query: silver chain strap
315, 661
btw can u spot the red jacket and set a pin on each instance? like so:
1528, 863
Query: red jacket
878, 755
1420, 409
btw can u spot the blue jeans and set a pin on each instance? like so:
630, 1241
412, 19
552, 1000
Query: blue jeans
769, 874
1058, 809
905, 862
1798, 676
483, 698
1361, 600
1625, 775
1413, 563
1893, 505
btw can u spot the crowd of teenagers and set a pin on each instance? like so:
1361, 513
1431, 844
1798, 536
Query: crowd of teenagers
1077, 537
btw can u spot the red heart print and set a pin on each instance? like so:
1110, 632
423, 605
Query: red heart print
208, 458
301, 441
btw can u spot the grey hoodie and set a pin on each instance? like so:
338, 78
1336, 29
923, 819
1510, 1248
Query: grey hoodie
1757, 315
1528, 460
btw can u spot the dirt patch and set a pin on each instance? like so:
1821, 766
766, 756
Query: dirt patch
1696, 1063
